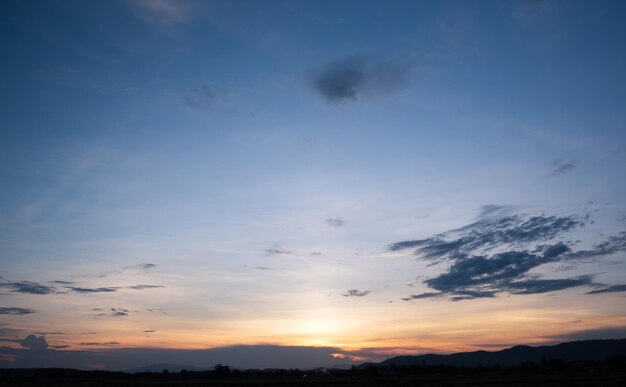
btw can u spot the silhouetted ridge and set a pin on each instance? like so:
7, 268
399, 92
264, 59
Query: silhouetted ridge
588, 350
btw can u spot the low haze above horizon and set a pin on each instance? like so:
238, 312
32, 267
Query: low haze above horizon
299, 183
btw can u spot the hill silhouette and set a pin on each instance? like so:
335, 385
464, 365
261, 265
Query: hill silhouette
586, 350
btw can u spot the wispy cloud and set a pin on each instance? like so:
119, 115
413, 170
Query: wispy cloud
8, 332
609, 289
347, 79
141, 287
356, 293
560, 167
277, 250
15, 311
335, 222
111, 312
93, 290
489, 210
63, 282
610, 246
146, 267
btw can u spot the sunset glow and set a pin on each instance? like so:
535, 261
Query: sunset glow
352, 179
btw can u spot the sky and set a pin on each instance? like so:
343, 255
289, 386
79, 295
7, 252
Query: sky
308, 183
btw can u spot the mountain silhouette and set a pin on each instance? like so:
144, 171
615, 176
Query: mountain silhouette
587, 350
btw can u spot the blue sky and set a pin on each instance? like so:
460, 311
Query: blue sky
254, 163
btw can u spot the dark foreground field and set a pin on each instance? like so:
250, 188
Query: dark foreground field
431, 377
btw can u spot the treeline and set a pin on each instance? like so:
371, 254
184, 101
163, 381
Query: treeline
557, 366
616, 362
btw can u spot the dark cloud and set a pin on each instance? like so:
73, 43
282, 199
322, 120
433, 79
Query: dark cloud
28, 287
316, 253
335, 222
262, 268
609, 289
203, 95
508, 272
560, 167
149, 331
15, 311
34, 343
497, 254
92, 290
356, 293
347, 79
141, 287
60, 346
277, 250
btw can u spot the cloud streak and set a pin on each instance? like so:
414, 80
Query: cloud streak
609, 289
15, 311
93, 290
28, 287
141, 287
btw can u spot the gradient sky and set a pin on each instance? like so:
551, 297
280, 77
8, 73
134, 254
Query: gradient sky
372, 178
